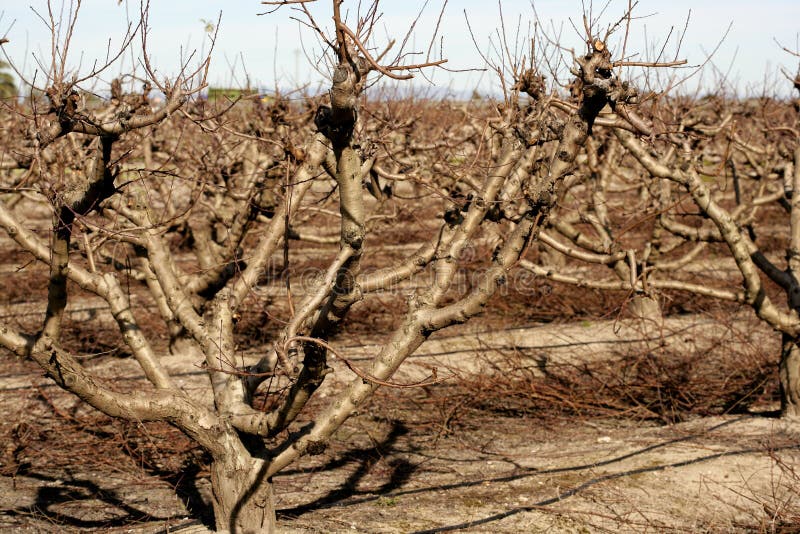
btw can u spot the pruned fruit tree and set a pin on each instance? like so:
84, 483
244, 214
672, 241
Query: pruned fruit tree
178, 216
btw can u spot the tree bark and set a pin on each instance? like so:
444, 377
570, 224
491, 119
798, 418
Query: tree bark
645, 308
243, 499
790, 377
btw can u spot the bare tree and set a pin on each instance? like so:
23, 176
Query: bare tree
192, 228
740, 182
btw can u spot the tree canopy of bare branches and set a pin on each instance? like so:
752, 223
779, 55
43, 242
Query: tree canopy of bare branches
186, 221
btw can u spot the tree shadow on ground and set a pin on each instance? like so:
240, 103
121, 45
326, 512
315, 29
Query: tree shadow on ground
72, 491
185, 482
183, 479
366, 458
342, 498
592, 482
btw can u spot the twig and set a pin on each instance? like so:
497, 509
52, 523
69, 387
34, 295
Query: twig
361, 374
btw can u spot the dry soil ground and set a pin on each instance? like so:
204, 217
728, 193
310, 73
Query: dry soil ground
424, 460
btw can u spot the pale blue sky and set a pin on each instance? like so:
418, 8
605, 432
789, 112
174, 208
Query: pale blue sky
270, 45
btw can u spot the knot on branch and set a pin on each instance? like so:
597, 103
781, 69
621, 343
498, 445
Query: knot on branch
125, 105
64, 103
531, 83
338, 131
623, 93
315, 448
596, 85
338, 121
353, 237
594, 79
348, 83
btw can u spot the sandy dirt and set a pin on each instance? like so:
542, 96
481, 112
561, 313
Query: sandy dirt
420, 461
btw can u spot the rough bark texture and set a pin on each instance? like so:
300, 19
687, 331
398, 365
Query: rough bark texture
243, 499
647, 310
790, 378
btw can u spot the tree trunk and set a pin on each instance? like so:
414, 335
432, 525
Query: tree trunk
183, 345
646, 309
243, 501
790, 377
